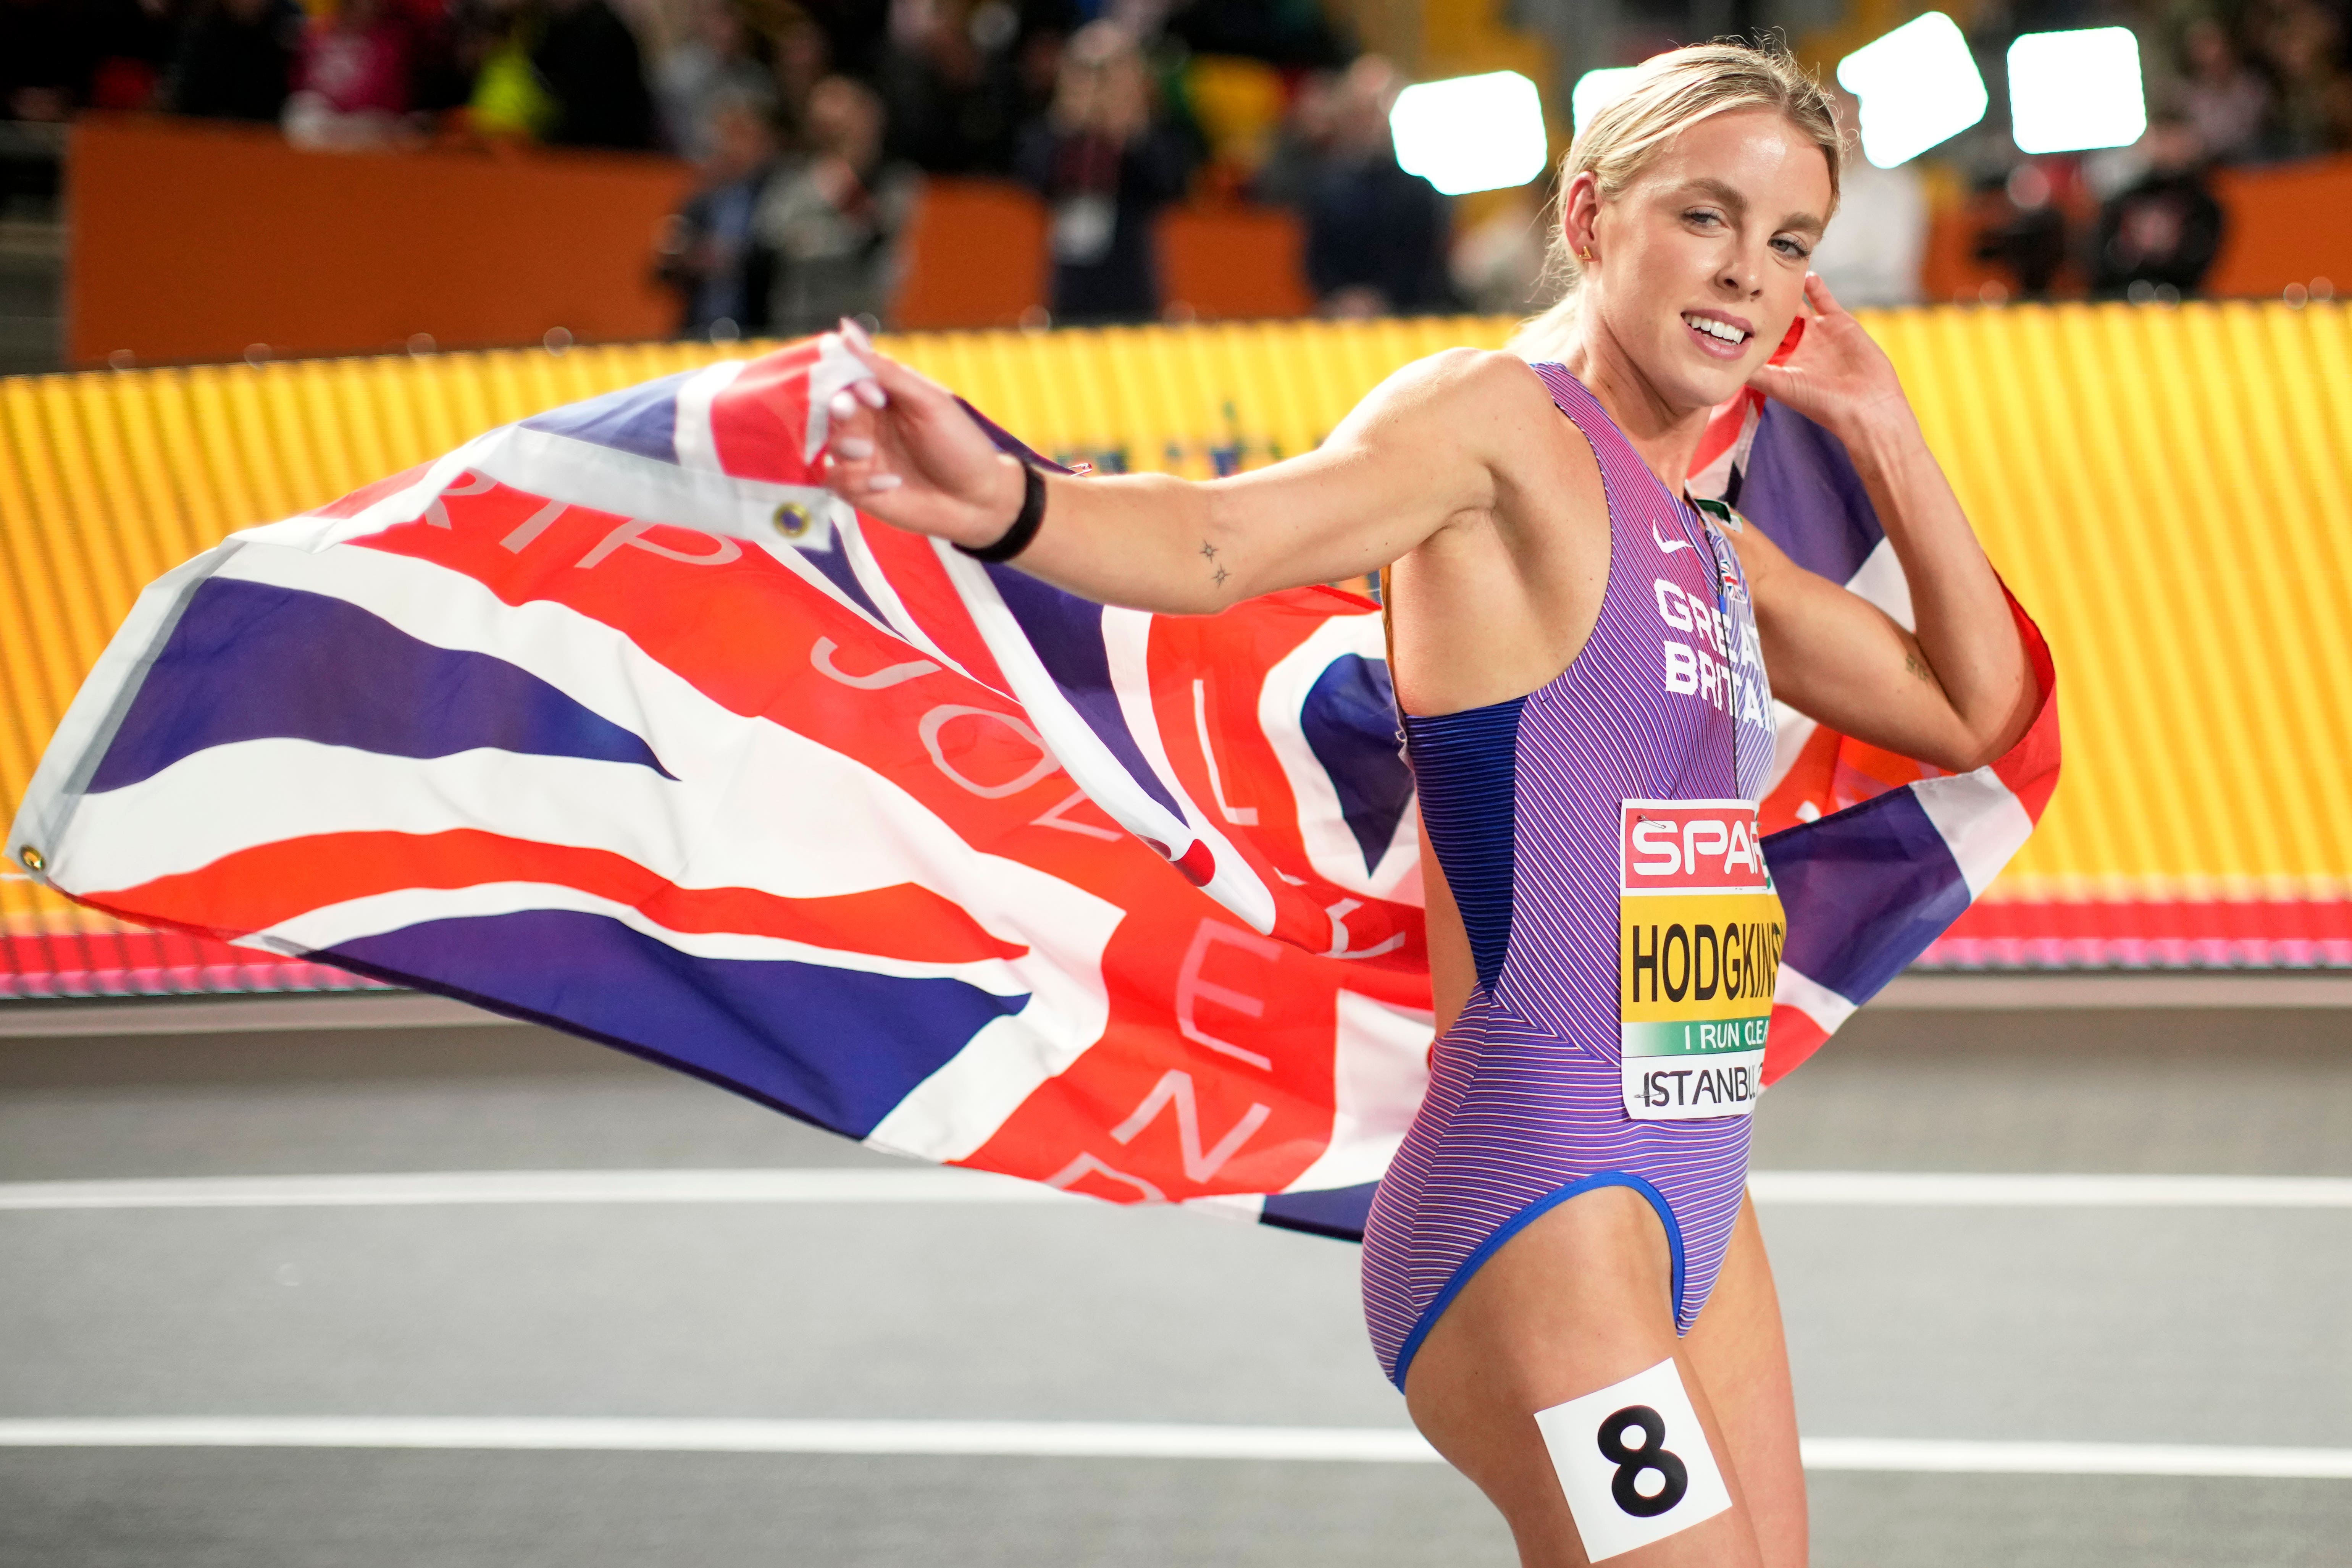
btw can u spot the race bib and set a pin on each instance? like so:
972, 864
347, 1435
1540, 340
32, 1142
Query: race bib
1699, 931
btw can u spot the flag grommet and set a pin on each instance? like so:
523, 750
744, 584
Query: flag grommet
793, 520
33, 859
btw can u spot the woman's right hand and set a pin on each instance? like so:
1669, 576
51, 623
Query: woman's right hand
900, 448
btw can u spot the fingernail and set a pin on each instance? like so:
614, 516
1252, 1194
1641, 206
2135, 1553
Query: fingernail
856, 333
852, 449
884, 482
870, 392
843, 405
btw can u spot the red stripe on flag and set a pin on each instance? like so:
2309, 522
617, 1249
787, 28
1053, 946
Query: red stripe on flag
912, 565
1793, 1037
760, 421
2030, 768
255, 888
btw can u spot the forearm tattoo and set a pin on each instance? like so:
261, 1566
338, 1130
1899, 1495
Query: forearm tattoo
1217, 573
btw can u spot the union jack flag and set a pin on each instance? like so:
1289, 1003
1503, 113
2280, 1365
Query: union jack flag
613, 720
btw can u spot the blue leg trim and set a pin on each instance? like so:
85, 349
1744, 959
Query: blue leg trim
1519, 1222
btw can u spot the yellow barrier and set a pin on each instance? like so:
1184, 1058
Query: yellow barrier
2163, 488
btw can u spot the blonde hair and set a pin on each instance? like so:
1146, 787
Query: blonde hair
1673, 92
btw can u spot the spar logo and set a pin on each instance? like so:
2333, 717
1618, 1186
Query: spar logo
1690, 847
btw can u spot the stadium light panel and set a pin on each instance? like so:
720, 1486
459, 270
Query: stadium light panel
2073, 91
1596, 90
1918, 86
1470, 133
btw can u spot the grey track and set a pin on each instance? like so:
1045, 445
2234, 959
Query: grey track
2138, 1326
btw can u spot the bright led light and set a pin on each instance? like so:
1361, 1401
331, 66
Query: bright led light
2069, 91
1470, 133
1596, 90
1918, 86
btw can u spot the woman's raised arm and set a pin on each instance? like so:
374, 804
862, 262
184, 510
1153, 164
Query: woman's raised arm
1957, 692
1421, 451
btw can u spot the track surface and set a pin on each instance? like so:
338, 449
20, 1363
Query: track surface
2140, 1326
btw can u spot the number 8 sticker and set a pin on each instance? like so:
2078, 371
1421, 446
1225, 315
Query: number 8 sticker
1634, 1462
1674, 1478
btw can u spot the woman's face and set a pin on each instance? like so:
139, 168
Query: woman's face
1699, 264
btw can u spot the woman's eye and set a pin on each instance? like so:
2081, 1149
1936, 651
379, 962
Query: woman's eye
1702, 217
1796, 249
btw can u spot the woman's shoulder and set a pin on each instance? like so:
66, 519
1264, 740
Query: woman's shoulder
1467, 383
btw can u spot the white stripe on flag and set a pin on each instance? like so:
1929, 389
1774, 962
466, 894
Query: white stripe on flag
1811, 998
1094, 1440
690, 433
1880, 580
1982, 823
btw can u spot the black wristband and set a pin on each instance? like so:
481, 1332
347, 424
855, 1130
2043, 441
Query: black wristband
1025, 527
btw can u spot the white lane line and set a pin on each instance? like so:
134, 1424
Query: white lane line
943, 1185
1956, 1457
1094, 1440
1910, 1189
1035, 1440
1775, 1189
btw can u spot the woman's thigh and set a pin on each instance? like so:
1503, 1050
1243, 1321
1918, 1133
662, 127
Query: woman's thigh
1577, 1302
1741, 1355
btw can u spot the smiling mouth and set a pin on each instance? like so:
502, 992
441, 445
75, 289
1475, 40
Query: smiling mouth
1722, 331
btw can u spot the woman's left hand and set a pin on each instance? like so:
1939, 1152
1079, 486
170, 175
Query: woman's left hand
1837, 377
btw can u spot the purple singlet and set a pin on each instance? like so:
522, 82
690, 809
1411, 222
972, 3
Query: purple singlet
1531, 806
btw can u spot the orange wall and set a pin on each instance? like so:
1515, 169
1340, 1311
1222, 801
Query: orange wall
975, 257
189, 240
2286, 224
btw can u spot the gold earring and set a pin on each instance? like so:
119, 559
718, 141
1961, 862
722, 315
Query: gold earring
1585, 256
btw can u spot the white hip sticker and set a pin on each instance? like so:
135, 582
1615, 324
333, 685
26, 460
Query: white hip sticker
1633, 1461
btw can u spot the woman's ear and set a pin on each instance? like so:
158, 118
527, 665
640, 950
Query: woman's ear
1579, 213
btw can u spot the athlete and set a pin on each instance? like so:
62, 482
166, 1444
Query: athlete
1562, 1271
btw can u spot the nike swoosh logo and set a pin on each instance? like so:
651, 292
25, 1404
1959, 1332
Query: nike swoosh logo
1667, 547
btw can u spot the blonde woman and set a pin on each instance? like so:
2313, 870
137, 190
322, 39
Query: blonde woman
1561, 1270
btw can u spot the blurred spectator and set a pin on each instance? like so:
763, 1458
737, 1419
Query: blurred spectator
1237, 106
1290, 33
2026, 232
1301, 143
45, 57
131, 46
501, 93
1872, 254
589, 63
833, 217
1375, 235
856, 32
803, 57
438, 79
710, 252
2224, 97
2158, 238
1103, 166
2302, 41
950, 83
351, 79
719, 62
236, 59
